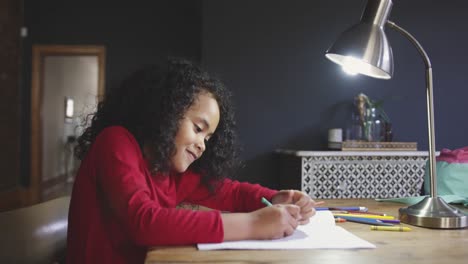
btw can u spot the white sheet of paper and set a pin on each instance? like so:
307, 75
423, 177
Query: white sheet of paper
321, 232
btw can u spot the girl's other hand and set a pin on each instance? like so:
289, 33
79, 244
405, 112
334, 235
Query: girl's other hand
301, 199
274, 222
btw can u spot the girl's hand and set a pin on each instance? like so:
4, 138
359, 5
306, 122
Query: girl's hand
301, 199
274, 222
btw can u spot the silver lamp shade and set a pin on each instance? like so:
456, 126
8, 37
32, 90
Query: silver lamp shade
364, 49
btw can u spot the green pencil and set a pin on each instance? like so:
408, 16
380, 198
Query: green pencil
266, 202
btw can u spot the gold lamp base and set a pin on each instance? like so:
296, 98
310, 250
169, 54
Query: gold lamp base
433, 212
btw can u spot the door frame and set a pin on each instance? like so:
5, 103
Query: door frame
39, 52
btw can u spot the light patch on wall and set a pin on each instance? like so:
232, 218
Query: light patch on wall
69, 107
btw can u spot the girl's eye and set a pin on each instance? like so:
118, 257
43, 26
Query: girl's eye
198, 129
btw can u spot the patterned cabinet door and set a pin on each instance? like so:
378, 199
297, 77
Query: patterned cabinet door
363, 176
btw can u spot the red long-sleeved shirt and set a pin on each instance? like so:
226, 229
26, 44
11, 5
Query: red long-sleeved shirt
118, 208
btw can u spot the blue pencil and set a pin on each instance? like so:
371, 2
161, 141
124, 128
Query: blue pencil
395, 221
367, 221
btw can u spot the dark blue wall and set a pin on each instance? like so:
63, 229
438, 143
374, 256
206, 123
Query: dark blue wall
271, 54
134, 33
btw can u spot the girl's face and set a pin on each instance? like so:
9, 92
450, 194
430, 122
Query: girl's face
195, 129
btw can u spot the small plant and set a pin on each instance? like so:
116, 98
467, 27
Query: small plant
374, 121
364, 103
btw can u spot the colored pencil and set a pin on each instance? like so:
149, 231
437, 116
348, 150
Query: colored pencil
367, 221
343, 208
380, 217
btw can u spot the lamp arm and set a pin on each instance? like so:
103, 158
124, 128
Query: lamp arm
430, 104
413, 40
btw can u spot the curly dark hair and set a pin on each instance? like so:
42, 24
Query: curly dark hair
151, 103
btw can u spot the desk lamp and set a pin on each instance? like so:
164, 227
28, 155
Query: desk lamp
364, 49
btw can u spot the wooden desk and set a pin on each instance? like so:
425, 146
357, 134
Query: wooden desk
421, 245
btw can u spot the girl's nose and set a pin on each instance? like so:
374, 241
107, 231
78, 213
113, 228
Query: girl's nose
201, 144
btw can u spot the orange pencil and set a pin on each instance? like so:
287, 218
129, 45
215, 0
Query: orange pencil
340, 220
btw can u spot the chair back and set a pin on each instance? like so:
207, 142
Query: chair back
35, 234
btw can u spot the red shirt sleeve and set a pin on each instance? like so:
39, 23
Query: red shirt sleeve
232, 196
124, 179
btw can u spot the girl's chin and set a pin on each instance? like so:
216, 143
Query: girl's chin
181, 170
180, 163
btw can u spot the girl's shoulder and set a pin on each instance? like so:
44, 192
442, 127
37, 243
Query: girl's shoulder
113, 136
114, 131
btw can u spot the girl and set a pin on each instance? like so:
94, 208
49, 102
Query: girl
164, 137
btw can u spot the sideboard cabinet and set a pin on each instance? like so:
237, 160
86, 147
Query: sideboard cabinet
353, 174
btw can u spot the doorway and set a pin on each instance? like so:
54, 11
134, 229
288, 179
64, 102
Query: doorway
67, 84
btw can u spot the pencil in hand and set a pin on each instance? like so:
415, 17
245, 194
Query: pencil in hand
266, 202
